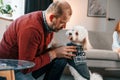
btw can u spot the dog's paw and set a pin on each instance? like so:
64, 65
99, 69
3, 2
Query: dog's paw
96, 76
75, 74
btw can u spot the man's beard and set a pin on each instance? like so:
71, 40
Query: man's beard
54, 28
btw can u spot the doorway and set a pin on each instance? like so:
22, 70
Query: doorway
113, 14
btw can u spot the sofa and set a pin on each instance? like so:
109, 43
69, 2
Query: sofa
100, 58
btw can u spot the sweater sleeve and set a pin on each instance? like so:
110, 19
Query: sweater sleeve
28, 43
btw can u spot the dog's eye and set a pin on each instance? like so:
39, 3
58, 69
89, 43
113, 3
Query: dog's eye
70, 33
76, 33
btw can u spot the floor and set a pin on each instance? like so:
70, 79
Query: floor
68, 77
64, 77
111, 78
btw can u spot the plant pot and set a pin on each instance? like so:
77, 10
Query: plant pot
7, 15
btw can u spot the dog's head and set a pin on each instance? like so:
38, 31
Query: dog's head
77, 34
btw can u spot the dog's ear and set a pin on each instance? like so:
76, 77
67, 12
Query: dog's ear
86, 44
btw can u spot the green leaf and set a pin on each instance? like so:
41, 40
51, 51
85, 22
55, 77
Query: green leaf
1, 2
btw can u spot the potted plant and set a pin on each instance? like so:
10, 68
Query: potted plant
5, 9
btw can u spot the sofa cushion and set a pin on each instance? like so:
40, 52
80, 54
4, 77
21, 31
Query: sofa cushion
101, 40
102, 54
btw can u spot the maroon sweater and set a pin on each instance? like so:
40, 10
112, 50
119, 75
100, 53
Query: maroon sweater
27, 39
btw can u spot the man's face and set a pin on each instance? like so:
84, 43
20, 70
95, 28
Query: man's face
59, 23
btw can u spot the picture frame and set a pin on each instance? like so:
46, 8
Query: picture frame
97, 8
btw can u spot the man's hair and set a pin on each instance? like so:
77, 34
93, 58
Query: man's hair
59, 7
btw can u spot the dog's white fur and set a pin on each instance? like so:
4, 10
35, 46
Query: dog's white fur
81, 38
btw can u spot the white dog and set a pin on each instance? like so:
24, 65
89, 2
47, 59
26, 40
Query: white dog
79, 35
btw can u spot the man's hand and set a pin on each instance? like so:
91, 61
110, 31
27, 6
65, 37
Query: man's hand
62, 52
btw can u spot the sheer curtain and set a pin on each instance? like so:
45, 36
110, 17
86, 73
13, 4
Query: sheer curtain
34, 5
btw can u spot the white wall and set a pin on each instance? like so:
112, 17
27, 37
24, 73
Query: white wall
19, 9
80, 17
3, 26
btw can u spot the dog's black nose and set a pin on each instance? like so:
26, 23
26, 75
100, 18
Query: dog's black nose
70, 33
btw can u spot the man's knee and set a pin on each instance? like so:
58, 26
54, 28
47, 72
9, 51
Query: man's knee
60, 62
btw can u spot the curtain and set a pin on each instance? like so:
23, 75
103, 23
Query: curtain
34, 5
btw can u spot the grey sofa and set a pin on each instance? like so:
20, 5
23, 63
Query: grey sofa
100, 59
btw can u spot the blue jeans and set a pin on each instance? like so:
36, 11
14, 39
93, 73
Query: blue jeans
53, 71
82, 69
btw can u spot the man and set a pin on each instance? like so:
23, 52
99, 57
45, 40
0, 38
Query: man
28, 37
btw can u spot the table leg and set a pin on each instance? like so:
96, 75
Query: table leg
9, 74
